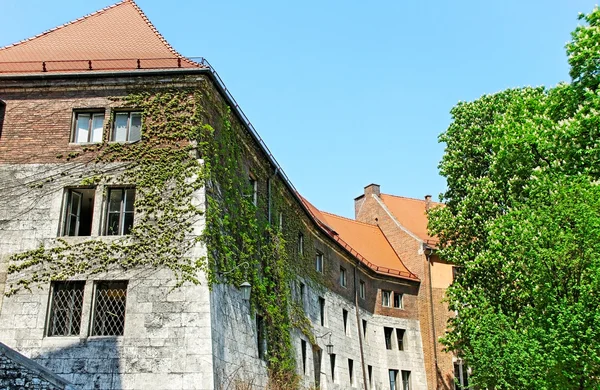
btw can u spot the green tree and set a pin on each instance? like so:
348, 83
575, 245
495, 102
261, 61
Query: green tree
522, 221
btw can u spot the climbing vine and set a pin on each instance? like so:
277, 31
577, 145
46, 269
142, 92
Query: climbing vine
192, 141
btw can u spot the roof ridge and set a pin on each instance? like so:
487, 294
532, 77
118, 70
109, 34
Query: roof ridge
409, 198
100, 11
349, 219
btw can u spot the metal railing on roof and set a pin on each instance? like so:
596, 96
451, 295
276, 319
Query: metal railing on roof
129, 64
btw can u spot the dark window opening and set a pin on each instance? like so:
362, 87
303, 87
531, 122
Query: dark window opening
322, 310
2, 115
364, 324
405, 380
303, 348
400, 337
351, 371
317, 355
332, 362
261, 340
65, 309
109, 308
120, 210
345, 317
397, 300
79, 211
370, 374
387, 333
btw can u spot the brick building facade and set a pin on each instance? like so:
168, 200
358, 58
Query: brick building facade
134, 327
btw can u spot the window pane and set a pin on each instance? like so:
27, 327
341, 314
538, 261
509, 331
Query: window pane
109, 313
127, 223
112, 226
83, 125
65, 314
120, 130
135, 128
114, 200
129, 199
97, 127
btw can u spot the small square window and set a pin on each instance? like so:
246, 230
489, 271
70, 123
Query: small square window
361, 289
78, 211
88, 127
127, 127
109, 308
385, 298
120, 210
65, 309
397, 300
343, 281
319, 262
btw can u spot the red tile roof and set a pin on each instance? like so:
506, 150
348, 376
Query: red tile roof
411, 214
366, 242
112, 38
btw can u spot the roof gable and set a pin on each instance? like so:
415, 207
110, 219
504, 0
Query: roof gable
411, 213
115, 37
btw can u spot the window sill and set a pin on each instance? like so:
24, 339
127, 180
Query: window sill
84, 143
124, 142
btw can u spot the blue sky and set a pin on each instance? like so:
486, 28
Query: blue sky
346, 93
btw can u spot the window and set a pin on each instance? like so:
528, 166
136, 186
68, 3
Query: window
461, 376
351, 371
88, 127
261, 340
301, 292
387, 334
385, 298
65, 309
280, 220
119, 219
345, 317
127, 127
370, 374
109, 308
342, 276
300, 244
405, 380
364, 323
393, 379
303, 348
400, 338
332, 362
361, 289
79, 209
397, 300
322, 310
2, 114
254, 189
317, 357
319, 262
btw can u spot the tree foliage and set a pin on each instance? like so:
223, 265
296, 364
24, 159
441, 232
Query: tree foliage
522, 221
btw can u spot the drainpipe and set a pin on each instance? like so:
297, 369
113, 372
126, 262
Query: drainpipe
360, 337
435, 357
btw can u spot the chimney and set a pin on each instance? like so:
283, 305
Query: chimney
372, 189
427, 202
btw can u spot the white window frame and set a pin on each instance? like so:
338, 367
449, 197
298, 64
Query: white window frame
94, 134
386, 297
122, 211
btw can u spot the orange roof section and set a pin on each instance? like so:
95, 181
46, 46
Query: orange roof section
366, 242
411, 214
113, 38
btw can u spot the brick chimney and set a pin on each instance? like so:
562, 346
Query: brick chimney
358, 201
427, 202
372, 189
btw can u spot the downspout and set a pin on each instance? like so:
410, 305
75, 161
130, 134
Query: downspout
435, 357
360, 337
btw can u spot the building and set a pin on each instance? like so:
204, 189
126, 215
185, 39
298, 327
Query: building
137, 205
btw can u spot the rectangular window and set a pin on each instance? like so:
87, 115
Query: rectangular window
119, 218
261, 340
319, 262
303, 348
332, 362
88, 127
109, 308
351, 371
400, 338
387, 334
301, 292
397, 300
65, 309
343, 277
364, 323
405, 380
345, 318
361, 289
127, 127
254, 189
393, 379
79, 209
300, 244
461, 376
280, 220
385, 298
322, 310
370, 374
